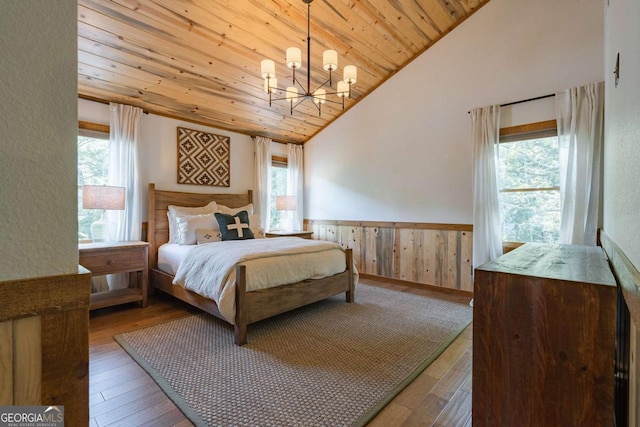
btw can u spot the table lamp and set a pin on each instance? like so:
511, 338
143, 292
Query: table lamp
286, 203
106, 198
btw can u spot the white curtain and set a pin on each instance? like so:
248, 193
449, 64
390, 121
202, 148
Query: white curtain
295, 182
487, 241
261, 201
123, 172
580, 119
123, 169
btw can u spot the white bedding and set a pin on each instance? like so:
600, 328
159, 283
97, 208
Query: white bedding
209, 269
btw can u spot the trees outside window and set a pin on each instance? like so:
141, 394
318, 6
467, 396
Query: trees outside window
93, 169
278, 188
529, 182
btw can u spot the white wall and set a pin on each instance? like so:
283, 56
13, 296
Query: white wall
158, 152
38, 160
404, 153
622, 128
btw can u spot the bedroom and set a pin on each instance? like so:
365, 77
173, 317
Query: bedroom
460, 78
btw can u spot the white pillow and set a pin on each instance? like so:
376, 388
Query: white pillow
177, 211
254, 225
187, 226
232, 211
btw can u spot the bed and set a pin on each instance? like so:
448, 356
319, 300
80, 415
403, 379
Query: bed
250, 306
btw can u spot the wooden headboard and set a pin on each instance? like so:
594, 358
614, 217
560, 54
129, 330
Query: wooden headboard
159, 201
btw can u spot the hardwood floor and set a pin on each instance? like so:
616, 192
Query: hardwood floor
122, 394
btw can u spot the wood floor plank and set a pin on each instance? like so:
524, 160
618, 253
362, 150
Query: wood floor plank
393, 414
132, 406
122, 393
158, 415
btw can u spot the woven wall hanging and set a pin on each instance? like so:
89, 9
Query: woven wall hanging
203, 158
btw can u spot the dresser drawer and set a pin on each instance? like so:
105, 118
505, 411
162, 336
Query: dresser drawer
114, 260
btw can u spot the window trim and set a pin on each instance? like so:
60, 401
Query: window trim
279, 162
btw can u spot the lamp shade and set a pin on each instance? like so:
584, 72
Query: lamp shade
350, 74
320, 96
292, 93
267, 68
330, 60
286, 203
343, 89
270, 84
293, 57
103, 197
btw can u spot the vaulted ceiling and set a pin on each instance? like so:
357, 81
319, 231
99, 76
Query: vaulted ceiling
199, 60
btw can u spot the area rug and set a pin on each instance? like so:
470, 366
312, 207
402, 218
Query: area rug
327, 364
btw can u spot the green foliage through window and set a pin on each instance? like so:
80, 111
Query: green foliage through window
93, 169
278, 188
529, 182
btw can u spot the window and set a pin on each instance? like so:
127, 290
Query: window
529, 183
278, 188
93, 168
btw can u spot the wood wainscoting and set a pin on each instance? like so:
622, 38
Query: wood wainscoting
44, 343
423, 253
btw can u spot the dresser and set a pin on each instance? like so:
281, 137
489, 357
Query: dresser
543, 338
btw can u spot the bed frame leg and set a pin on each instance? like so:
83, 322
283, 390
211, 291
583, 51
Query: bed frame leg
240, 334
350, 294
240, 328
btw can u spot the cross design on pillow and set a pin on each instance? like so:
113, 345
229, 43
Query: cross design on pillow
238, 226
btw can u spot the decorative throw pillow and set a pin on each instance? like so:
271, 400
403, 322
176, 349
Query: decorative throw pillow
258, 232
234, 227
187, 226
208, 236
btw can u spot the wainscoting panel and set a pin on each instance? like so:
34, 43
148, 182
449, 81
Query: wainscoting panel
6, 363
423, 253
44, 343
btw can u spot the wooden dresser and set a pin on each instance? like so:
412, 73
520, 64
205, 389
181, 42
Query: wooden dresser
543, 338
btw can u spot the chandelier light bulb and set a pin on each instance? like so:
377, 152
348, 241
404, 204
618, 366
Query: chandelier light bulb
293, 57
268, 68
320, 96
292, 93
270, 84
350, 74
343, 89
330, 60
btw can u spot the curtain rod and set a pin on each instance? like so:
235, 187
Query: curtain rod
524, 100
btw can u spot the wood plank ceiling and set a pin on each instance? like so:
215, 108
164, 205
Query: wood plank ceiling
199, 60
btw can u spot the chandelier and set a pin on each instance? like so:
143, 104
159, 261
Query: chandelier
294, 61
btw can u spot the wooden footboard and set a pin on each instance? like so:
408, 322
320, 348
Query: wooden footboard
258, 305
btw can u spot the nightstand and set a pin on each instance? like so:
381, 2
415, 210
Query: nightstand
295, 233
118, 257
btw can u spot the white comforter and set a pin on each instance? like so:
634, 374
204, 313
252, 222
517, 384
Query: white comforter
210, 269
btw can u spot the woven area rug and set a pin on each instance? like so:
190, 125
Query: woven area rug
327, 364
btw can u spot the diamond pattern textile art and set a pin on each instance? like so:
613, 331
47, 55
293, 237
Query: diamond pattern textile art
203, 158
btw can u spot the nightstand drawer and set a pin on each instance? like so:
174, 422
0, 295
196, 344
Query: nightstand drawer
113, 261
